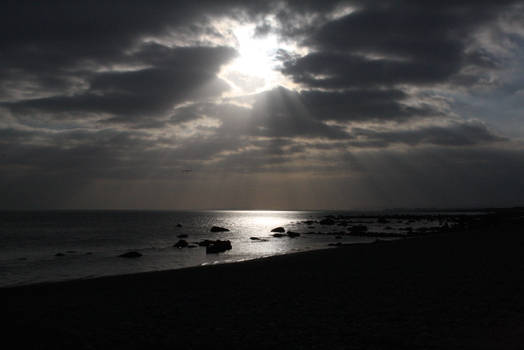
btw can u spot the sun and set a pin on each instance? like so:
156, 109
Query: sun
255, 68
255, 54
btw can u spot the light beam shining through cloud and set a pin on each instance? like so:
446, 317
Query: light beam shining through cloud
271, 104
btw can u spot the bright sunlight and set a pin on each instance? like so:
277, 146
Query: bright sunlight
256, 67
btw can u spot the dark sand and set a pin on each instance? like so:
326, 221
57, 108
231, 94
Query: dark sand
451, 291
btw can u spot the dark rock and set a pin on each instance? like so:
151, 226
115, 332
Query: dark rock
218, 246
178, 225
254, 238
59, 254
278, 229
130, 255
309, 222
183, 235
205, 243
181, 244
278, 235
358, 229
89, 253
219, 229
327, 222
292, 234
192, 246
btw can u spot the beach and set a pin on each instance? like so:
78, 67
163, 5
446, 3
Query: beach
460, 290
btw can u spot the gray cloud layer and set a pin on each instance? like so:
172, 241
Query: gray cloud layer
119, 97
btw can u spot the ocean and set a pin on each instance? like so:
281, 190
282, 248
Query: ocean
45, 246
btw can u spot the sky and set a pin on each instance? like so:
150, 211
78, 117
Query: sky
261, 104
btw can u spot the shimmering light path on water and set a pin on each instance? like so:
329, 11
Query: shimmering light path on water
88, 242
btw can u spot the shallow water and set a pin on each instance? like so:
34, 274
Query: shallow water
92, 240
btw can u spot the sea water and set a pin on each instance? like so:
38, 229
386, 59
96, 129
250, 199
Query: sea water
49, 246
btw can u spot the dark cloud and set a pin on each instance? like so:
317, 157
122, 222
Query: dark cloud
454, 134
50, 47
363, 104
104, 103
177, 74
335, 70
401, 42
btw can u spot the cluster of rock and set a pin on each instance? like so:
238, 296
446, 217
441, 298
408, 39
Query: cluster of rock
257, 239
218, 246
281, 232
182, 243
353, 226
212, 246
131, 255
358, 226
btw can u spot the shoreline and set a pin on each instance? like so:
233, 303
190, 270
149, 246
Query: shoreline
205, 265
333, 230
431, 292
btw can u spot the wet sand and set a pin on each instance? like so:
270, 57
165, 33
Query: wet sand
461, 290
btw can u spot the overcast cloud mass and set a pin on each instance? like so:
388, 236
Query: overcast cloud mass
261, 104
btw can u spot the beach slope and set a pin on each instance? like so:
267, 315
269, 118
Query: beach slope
450, 291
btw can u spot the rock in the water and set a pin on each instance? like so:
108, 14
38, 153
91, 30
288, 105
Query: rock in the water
192, 246
178, 225
278, 235
292, 234
278, 229
327, 222
130, 255
181, 244
218, 246
254, 238
183, 235
219, 229
205, 243
358, 229
59, 254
